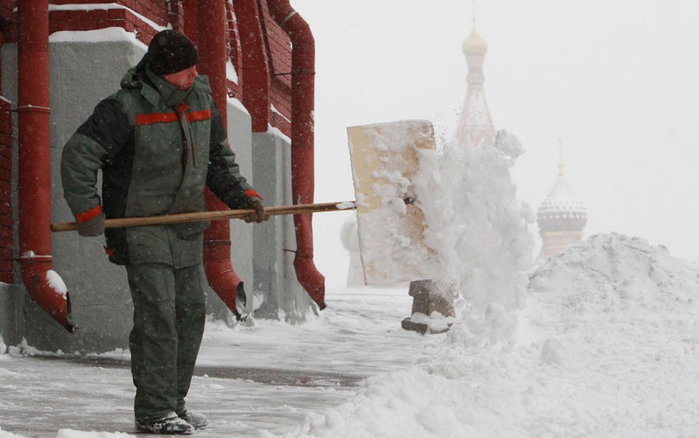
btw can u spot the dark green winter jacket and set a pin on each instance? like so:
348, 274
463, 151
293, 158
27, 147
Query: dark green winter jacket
158, 147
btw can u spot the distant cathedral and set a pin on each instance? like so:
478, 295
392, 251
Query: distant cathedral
475, 128
561, 217
475, 124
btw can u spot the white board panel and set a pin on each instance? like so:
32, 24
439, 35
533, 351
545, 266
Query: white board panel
385, 160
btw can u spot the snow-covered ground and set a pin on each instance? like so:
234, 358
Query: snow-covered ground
250, 381
607, 345
601, 340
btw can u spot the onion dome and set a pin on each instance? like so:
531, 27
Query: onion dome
349, 234
562, 210
474, 43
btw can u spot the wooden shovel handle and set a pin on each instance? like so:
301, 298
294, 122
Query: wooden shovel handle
210, 216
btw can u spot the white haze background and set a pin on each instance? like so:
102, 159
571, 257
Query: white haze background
615, 80
601, 340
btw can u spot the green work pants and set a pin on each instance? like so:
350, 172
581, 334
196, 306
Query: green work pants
169, 317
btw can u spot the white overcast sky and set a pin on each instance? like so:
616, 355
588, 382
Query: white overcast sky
616, 80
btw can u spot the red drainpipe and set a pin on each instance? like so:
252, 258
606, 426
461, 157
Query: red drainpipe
255, 79
217, 244
190, 10
302, 152
45, 287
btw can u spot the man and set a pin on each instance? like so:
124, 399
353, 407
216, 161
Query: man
158, 141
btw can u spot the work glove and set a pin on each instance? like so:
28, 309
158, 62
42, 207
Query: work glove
259, 215
93, 227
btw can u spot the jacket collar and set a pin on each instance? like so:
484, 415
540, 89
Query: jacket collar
172, 95
137, 77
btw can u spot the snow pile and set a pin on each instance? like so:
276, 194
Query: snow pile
8, 434
607, 346
69, 433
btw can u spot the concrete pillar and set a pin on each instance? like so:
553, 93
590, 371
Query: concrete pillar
275, 242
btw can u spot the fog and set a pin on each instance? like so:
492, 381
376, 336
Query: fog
614, 80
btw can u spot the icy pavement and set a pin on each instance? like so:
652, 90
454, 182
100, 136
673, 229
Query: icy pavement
251, 382
606, 345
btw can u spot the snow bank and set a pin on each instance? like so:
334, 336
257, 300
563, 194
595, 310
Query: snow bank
613, 271
480, 233
69, 433
8, 434
607, 346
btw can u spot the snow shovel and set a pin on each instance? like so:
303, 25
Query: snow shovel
385, 160
209, 216
390, 221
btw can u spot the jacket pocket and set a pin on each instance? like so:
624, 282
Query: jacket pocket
190, 230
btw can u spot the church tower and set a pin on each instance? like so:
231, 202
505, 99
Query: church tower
475, 125
561, 217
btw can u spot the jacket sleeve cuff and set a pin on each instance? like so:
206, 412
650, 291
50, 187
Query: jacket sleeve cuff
90, 214
252, 193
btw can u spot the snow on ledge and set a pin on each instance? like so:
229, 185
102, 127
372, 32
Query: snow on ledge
95, 36
277, 133
104, 7
276, 111
56, 283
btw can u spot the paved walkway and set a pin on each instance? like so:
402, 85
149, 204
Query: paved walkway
267, 378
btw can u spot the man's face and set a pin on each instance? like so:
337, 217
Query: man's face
182, 79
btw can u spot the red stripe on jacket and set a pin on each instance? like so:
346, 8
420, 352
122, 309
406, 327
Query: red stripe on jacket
89, 214
149, 119
198, 115
193, 116
252, 193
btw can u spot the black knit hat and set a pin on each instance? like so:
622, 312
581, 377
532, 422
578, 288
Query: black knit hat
170, 51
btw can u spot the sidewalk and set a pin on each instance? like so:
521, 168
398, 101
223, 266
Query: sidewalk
248, 380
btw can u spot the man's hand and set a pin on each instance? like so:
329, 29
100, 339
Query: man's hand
93, 227
259, 215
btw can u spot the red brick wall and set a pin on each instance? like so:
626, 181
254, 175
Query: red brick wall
279, 58
132, 19
155, 10
163, 12
7, 18
234, 50
175, 15
135, 19
6, 7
